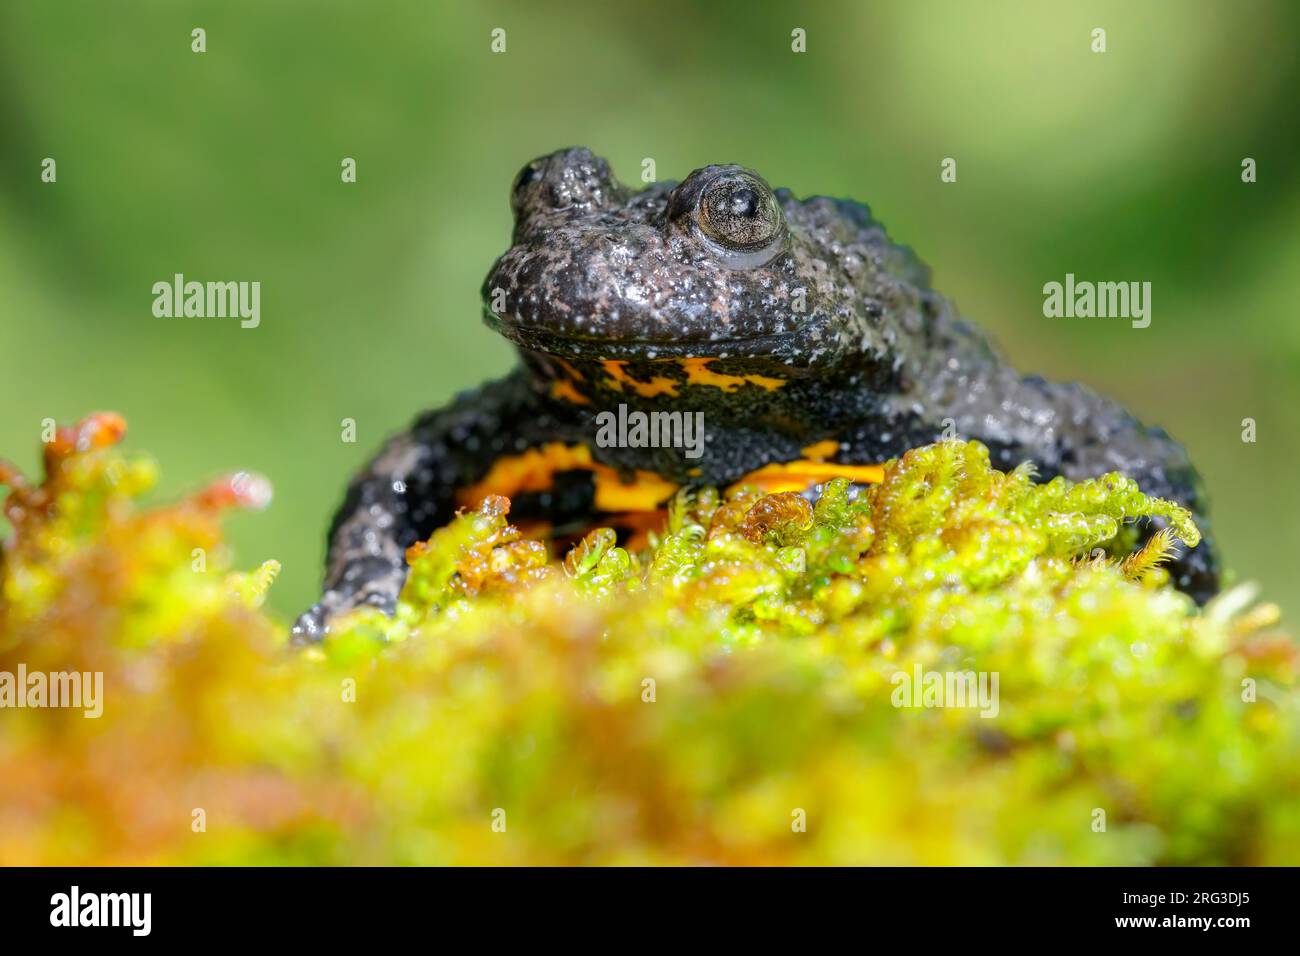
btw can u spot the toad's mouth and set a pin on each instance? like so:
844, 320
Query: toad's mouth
788, 342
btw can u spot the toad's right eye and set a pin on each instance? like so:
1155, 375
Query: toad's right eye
740, 212
734, 212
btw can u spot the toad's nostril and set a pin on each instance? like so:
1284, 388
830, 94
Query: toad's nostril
527, 176
568, 179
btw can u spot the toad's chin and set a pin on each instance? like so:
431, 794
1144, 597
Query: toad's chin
801, 345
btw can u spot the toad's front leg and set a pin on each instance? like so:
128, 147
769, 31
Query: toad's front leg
415, 485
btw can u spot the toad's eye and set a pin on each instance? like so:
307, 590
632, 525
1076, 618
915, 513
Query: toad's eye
739, 212
733, 212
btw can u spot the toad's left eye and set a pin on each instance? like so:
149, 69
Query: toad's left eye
740, 212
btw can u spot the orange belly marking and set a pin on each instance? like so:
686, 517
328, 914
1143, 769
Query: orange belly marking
535, 470
820, 451
799, 475
618, 377
568, 392
699, 373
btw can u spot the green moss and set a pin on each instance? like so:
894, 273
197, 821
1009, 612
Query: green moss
690, 702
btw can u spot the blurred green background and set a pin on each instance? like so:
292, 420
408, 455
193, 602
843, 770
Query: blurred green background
225, 166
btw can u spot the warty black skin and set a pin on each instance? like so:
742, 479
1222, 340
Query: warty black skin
761, 287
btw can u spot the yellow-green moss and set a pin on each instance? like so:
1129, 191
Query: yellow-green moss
686, 703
